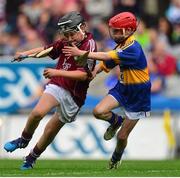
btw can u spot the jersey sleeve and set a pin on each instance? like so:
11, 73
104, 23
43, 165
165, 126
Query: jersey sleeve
127, 56
107, 65
56, 51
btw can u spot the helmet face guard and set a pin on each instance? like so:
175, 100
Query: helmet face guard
119, 35
65, 28
65, 33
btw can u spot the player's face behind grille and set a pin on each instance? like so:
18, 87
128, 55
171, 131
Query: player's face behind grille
72, 35
120, 34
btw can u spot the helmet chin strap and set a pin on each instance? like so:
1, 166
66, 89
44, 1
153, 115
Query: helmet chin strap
124, 34
79, 28
83, 33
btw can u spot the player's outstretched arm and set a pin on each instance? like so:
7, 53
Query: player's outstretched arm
34, 53
74, 51
19, 55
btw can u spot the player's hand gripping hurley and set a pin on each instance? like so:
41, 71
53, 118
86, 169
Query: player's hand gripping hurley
40, 54
82, 61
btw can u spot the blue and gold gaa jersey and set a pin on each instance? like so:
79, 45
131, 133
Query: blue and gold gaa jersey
132, 90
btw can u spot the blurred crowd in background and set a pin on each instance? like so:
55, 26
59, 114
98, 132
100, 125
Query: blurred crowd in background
26, 24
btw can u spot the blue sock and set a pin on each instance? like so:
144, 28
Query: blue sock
112, 119
34, 154
115, 118
120, 120
26, 137
117, 156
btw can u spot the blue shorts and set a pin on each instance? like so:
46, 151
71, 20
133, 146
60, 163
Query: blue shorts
133, 98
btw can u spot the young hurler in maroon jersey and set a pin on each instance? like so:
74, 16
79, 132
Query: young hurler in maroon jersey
66, 90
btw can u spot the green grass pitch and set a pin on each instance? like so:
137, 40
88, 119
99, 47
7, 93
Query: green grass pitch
91, 168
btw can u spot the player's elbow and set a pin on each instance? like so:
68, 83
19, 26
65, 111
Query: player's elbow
83, 77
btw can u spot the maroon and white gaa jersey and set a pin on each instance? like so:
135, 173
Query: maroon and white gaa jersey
78, 89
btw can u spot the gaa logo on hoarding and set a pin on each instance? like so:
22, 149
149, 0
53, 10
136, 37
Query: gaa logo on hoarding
85, 141
19, 83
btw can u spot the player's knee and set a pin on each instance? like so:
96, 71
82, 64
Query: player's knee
98, 112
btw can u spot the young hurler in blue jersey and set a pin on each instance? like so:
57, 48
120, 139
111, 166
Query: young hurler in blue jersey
132, 91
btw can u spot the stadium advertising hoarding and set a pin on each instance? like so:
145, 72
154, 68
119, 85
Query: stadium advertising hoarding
21, 83
83, 139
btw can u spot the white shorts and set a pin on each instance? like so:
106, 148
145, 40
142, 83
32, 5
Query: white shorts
136, 115
133, 115
67, 108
